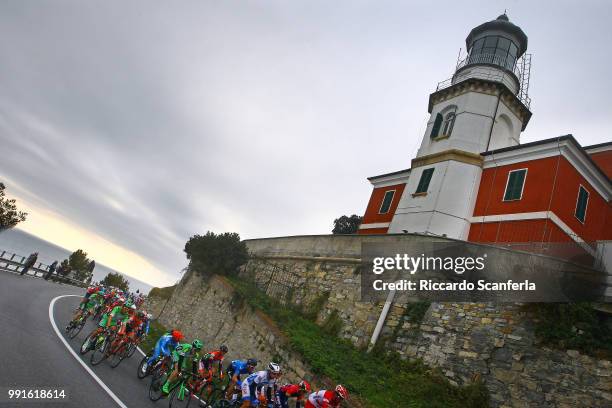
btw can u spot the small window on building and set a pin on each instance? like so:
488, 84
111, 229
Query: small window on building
436, 126
424, 181
386, 203
449, 121
581, 204
515, 184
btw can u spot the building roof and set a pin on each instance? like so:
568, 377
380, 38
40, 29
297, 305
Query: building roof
565, 138
388, 174
501, 23
598, 145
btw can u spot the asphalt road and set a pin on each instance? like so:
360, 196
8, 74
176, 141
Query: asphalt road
34, 356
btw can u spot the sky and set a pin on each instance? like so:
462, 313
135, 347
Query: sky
127, 127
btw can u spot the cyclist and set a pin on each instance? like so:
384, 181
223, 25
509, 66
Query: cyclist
94, 301
164, 346
206, 369
143, 331
235, 369
326, 398
90, 291
185, 357
255, 386
297, 391
118, 315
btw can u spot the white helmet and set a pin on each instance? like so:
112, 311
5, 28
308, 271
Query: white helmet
274, 368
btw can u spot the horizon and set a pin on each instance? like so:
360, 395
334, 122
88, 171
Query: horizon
263, 119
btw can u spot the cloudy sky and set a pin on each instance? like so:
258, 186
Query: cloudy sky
126, 127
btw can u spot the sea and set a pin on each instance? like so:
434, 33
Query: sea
22, 243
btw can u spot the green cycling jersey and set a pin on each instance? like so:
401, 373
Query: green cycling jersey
186, 356
116, 316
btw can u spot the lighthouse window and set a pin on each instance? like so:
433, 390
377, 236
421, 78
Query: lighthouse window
515, 184
581, 204
494, 49
449, 121
387, 200
435, 130
424, 181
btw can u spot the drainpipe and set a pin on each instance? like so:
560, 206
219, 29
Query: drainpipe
381, 319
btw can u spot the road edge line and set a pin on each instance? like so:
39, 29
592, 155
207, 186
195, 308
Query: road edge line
85, 366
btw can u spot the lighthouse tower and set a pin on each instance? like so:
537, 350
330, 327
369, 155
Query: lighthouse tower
483, 107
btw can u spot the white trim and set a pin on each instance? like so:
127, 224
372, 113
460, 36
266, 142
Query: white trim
522, 186
375, 225
599, 149
586, 206
89, 370
535, 216
386, 181
567, 149
383, 201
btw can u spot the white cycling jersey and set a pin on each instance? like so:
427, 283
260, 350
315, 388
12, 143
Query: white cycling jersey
261, 379
319, 398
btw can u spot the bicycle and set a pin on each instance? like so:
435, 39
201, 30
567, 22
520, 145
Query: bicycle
120, 351
90, 342
101, 348
75, 326
185, 391
160, 365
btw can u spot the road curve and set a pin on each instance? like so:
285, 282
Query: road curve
35, 357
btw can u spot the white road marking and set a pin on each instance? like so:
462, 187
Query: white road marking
89, 370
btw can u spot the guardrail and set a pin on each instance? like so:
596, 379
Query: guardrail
14, 263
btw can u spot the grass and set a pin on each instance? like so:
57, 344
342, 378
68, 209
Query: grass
163, 293
156, 330
379, 380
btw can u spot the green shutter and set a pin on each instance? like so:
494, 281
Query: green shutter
436, 126
387, 200
424, 181
514, 188
581, 205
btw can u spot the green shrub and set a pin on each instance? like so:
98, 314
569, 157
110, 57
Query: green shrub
162, 293
380, 380
572, 326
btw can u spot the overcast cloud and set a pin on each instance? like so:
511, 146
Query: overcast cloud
147, 122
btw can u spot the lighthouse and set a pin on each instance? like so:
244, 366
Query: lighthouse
472, 178
478, 109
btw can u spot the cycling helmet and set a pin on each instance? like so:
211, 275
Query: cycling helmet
149, 316
342, 392
304, 386
197, 344
129, 303
252, 362
274, 368
223, 349
132, 307
177, 335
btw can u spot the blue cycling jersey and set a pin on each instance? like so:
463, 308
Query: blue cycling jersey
239, 367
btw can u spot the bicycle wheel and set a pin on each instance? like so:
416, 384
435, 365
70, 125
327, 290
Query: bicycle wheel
143, 369
118, 355
86, 345
180, 397
155, 389
76, 328
100, 352
131, 350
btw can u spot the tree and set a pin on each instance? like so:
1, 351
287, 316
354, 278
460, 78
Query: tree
9, 215
220, 254
347, 225
117, 280
79, 263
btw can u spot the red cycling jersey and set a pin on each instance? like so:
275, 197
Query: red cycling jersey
291, 390
323, 399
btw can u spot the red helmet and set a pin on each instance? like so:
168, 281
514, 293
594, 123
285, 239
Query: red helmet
304, 386
177, 335
342, 392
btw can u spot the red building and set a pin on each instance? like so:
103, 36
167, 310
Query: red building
472, 179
